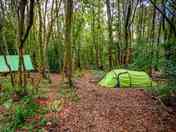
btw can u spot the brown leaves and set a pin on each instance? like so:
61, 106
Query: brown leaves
111, 110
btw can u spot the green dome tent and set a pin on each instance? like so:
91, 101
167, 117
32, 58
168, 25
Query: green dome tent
126, 78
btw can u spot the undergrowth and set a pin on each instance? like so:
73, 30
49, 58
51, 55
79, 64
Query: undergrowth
20, 115
68, 93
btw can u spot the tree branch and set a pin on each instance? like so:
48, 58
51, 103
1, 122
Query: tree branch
134, 13
30, 22
173, 28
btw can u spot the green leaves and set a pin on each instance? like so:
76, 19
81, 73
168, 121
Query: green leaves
8, 104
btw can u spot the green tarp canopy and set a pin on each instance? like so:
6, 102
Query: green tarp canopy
13, 61
126, 78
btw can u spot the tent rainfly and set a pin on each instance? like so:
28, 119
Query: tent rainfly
126, 78
13, 62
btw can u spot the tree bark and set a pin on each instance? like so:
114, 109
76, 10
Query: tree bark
68, 43
22, 33
108, 6
5, 45
127, 33
152, 40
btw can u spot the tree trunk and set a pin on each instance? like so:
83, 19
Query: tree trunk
24, 26
127, 33
108, 6
5, 45
118, 55
158, 46
152, 41
68, 43
40, 39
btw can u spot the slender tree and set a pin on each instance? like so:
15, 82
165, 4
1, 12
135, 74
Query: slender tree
25, 14
108, 5
6, 52
68, 42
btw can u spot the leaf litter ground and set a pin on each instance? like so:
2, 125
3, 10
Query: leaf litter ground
110, 110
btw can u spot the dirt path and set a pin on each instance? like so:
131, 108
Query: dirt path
56, 79
52, 92
117, 110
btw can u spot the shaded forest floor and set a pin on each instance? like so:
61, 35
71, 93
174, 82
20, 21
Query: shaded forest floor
105, 110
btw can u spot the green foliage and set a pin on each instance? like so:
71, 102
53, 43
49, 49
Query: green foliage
7, 104
170, 64
78, 74
162, 90
10, 36
43, 122
55, 55
7, 90
69, 93
6, 85
144, 56
19, 116
90, 48
169, 68
21, 111
18, 112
